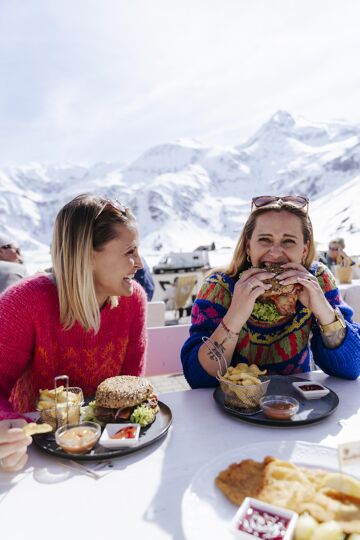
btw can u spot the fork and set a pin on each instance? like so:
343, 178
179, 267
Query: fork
74, 465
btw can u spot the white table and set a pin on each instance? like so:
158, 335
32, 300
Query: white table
141, 497
350, 293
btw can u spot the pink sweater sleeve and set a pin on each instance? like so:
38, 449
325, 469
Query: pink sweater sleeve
134, 362
16, 341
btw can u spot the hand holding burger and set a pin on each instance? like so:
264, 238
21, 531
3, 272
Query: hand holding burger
311, 294
280, 299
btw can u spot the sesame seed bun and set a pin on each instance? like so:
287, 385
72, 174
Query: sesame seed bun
123, 391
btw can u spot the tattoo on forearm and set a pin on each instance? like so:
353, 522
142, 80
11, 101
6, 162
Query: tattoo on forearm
216, 350
334, 339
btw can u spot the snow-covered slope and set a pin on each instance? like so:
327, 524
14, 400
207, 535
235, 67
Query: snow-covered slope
188, 193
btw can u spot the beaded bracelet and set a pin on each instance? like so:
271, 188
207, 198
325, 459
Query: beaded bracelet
230, 332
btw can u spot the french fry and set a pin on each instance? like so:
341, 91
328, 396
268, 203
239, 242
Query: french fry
255, 370
237, 376
34, 429
241, 368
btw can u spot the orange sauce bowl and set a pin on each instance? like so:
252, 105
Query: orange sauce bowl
78, 438
279, 407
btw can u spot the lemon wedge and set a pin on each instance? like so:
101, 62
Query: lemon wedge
343, 483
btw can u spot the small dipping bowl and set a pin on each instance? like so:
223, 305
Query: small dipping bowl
279, 407
78, 438
311, 390
248, 522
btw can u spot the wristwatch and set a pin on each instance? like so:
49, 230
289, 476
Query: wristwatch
333, 326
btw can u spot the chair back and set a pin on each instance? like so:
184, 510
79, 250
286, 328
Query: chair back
344, 274
184, 288
155, 314
164, 346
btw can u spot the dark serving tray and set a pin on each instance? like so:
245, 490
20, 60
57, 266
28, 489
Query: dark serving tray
310, 411
148, 435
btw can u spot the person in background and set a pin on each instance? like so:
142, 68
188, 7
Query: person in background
12, 268
144, 277
86, 320
336, 254
278, 230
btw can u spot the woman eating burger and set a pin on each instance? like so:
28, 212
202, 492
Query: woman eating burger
274, 305
85, 319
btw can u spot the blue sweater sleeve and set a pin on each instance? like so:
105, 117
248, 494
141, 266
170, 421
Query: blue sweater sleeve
344, 360
205, 318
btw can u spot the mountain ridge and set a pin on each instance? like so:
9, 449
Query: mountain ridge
188, 192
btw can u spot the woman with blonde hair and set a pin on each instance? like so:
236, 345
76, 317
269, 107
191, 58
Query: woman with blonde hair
228, 310
86, 319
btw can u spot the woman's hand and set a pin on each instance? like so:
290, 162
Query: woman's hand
13, 445
311, 295
249, 287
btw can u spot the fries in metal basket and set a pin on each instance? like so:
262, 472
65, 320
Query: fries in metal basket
242, 386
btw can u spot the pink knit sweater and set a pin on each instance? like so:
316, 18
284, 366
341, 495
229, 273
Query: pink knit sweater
34, 347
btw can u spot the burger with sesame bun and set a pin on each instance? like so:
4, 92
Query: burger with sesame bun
279, 301
125, 398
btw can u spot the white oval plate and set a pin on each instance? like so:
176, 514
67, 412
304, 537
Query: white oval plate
207, 514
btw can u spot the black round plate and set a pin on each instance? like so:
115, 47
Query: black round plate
148, 436
310, 411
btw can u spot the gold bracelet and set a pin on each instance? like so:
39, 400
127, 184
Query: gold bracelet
228, 331
333, 326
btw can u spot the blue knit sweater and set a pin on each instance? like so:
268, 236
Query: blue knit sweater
287, 348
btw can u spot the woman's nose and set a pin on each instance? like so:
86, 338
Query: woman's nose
138, 262
276, 251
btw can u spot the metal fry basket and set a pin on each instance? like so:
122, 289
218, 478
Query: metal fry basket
66, 406
244, 398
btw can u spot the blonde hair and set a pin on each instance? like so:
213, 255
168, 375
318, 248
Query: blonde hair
239, 260
339, 240
83, 225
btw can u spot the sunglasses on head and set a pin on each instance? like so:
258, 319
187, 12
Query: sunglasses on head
298, 201
113, 205
10, 246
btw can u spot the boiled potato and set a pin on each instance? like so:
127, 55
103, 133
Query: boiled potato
305, 527
330, 530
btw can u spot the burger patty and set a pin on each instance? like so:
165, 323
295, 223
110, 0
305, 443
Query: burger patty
122, 414
283, 296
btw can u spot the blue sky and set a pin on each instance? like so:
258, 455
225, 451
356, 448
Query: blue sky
87, 81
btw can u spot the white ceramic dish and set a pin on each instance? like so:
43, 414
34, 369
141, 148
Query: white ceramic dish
246, 515
112, 429
206, 513
310, 394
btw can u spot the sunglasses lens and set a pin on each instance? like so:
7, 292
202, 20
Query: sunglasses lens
295, 200
264, 200
114, 205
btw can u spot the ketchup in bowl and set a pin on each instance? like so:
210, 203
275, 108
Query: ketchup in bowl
125, 433
120, 435
310, 387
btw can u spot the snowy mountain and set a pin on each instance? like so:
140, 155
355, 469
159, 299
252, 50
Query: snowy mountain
189, 193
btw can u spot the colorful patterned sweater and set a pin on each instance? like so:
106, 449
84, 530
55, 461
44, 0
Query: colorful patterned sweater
284, 348
34, 347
